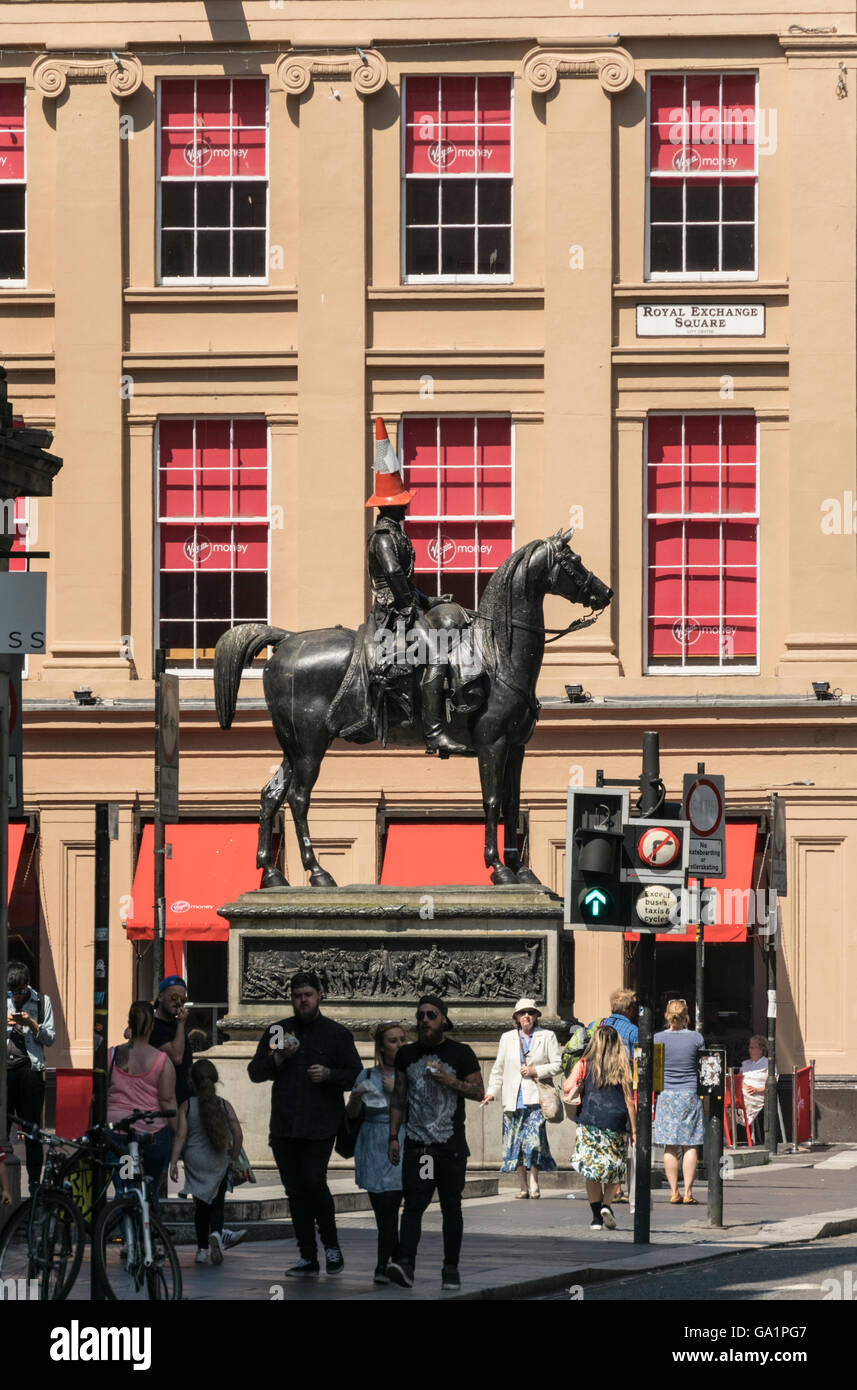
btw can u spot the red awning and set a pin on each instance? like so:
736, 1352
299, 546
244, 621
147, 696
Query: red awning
735, 898
17, 831
212, 864
434, 853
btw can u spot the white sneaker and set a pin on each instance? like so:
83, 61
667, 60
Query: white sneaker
231, 1238
201, 1257
215, 1248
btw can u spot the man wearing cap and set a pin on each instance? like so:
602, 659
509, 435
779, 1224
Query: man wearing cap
434, 1077
391, 570
168, 1031
311, 1061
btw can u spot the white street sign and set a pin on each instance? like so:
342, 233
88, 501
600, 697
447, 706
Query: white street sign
700, 320
703, 804
657, 905
23, 599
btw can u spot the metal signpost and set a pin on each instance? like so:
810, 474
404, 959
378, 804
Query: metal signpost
166, 797
777, 886
626, 874
106, 829
703, 805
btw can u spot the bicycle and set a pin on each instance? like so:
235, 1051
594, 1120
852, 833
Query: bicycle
44, 1240
135, 1253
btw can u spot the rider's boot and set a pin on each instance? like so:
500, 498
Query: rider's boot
437, 739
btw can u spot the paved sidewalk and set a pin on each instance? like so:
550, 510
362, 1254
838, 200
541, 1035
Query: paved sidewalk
514, 1249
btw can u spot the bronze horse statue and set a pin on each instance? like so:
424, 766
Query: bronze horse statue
306, 671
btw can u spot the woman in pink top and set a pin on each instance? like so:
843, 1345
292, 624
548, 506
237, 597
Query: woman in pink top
142, 1078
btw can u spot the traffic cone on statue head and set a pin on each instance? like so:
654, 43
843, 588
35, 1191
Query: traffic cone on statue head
390, 490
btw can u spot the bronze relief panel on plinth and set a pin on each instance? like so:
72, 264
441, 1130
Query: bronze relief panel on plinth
354, 969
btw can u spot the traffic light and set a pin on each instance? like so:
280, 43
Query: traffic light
655, 857
596, 894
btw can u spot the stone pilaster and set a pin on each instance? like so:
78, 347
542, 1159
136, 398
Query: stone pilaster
88, 569
578, 83
822, 596
328, 93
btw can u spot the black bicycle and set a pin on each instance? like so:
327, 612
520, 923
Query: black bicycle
134, 1251
42, 1243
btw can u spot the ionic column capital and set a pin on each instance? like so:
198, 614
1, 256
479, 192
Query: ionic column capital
52, 72
366, 69
543, 66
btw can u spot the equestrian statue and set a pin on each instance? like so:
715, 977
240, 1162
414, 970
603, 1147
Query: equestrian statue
420, 670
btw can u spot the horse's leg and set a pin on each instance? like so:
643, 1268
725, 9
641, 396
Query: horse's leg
270, 801
511, 808
305, 771
492, 765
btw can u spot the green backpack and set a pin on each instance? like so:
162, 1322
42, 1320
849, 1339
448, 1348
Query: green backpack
574, 1048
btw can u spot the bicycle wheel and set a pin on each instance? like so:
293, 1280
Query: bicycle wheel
41, 1246
118, 1248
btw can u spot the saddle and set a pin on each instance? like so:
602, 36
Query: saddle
381, 685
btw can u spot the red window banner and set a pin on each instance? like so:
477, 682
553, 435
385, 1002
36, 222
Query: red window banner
460, 521
703, 124
702, 497
12, 130
458, 125
214, 128
434, 852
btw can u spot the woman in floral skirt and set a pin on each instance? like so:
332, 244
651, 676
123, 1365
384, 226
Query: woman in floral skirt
601, 1084
527, 1054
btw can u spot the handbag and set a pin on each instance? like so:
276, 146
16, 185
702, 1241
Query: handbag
241, 1169
550, 1099
346, 1136
572, 1110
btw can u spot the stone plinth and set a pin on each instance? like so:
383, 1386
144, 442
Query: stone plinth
376, 950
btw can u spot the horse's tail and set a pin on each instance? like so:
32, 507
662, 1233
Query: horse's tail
235, 650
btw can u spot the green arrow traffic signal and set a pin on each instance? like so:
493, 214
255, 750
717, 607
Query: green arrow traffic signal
595, 904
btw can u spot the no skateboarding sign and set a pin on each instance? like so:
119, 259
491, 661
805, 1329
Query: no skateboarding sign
703, 800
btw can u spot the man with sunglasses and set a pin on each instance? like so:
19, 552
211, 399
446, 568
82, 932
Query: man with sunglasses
434, 1077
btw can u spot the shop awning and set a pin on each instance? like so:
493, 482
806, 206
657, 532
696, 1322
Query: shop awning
736, 901
17, 831
433, 853
212, 863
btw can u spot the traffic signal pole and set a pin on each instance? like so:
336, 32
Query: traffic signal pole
651, 800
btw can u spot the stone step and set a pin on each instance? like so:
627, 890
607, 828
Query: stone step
266, 1217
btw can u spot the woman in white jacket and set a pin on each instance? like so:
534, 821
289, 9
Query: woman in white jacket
526, 1054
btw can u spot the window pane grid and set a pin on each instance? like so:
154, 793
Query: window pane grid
13, 184
458, 549
213, 179
214, 558
457, 207
702, 166
702, 589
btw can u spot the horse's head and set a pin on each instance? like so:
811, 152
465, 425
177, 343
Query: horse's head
569, 578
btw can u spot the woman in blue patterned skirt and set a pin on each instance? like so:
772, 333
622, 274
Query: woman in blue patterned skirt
679, 1122
527, 1055
601, 1084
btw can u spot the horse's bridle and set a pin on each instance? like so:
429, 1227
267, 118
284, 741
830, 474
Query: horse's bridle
566, 559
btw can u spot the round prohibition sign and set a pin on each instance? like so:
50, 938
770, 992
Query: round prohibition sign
658, 847
704, 808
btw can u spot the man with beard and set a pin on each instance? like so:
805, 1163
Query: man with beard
434, 1077
311, 1061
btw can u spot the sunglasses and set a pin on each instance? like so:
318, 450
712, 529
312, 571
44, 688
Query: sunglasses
529, 1013
176, 998
427, 1013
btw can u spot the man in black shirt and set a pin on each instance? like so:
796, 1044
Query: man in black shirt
311, 1061
434, 1077
168, 1033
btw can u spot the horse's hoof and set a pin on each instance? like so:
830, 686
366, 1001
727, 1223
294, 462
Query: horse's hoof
503, 875
272, 878
525, 875
320, 879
